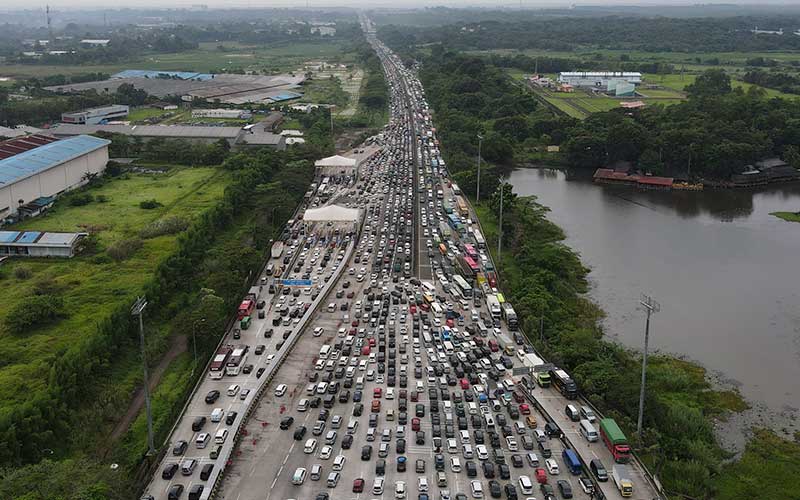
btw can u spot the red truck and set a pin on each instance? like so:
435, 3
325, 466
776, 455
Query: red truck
247, 306
615, 440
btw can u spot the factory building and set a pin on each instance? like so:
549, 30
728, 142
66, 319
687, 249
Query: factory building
598, 79
39, 244
36, 168
96, 116
233, 114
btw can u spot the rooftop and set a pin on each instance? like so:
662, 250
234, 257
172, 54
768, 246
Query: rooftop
19, 145
38, 238
46, 156
187, 131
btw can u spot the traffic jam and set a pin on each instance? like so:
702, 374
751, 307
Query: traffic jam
411, 380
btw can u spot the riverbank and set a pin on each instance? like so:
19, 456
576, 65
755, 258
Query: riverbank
787, 216
541, 275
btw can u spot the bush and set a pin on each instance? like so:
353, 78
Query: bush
80, 200
149, 204
36, 311
101, 198
124, 249
168, 225
22, 272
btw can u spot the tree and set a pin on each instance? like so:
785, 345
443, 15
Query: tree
711, 83
586, 151
791, 155
513, 127
509, 199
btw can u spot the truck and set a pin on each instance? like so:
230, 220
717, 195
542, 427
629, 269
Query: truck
542, 376
277, 249
623, 480
247, 306
461, 205
492, 279
510, 315
615, 440
493, 305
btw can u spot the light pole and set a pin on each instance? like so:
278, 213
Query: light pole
138, 310
650, 307
478, 189
194, 340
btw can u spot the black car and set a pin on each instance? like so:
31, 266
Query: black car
472, 470
260, 372
366, 453
494, 489
260, 349
198, 423
564, 488
516, 461
400, 446
299, 433
286, 422
438, 462
205, 473
347, 441
175, 492
380, 467
180, 447
488, 469
212, 396
169, 471
552, 430
547, 492
504, 471
231, 417
248, 368
358, 409
322, 496
511, 491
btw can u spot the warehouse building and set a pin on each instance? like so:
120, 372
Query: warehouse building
235, 136
39, 244
233, 114
95, 116
35, 168
598, 79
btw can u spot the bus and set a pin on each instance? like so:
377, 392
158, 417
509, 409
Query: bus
436, 308
455, 223
564, 383
461, 205
464, 287
237, 360
479, 240
217, 368
448, 208
473, 266
470, 250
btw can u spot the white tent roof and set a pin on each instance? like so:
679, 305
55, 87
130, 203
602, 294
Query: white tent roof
331, 213
336, 161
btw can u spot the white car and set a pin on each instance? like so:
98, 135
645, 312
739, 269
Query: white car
400, 490
477, 488
338, 462
280, 390
299, 476
318, 331
422, 484
325, 452
483, 453
310, 446
552, 466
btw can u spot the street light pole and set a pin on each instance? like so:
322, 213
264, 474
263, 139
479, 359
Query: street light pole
500, 226
650, 307
138, 310
194, 341
478, 189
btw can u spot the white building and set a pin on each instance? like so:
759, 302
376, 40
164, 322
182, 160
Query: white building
38, 244
95, 116
598, 79
46, 168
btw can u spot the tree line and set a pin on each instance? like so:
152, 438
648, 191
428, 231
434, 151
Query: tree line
716, 133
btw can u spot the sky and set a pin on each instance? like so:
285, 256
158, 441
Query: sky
63, 4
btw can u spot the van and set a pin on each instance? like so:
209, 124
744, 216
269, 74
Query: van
333, 480
441, 479
217, 414
588, 414
544, 448
572, 413
206, 472
599, 470
352, 426
316, 472
187, 467
572, 462
221, 436
508, 385
588, 431
202, 440
196, 491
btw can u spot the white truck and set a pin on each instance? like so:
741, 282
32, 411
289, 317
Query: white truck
494, 305
623, 480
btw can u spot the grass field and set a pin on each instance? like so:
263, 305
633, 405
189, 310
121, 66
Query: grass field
92, 287
138, 114
275, 57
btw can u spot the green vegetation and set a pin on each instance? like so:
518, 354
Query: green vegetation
373, 100
326, 91
768, 469
788, 216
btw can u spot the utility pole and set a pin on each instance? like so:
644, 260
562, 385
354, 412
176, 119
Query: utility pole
138, 310
478, 189
194, 340
650, 307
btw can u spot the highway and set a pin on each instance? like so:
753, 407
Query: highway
386, 359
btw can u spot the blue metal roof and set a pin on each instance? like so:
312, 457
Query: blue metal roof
8, 236
29, 236
44, 157
181, 75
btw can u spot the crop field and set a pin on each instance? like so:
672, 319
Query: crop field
93, 285
276, 57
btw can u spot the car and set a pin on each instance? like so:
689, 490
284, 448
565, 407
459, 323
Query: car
169, 470
300, 432
552, 466
495, 491
212, 396
286, 422
477, 489
260, 349
366, 453
586, 485
180, 447
547, 492
260, 372
358, 485
541, 475
565, 488
338, 462
325, 452
280, 390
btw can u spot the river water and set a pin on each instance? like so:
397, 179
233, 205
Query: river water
725, 272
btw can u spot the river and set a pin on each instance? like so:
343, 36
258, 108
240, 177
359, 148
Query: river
723, 269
